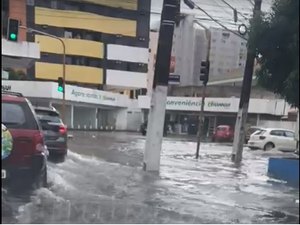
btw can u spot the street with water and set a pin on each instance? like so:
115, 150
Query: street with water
102, 181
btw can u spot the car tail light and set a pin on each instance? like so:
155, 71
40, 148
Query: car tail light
39, 142
62, 129
262, 137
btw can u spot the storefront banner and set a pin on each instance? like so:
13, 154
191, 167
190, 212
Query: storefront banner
226, 105
39, 89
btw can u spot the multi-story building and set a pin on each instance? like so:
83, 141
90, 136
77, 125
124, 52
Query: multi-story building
106, 58
106, 42
16, 55
228, 54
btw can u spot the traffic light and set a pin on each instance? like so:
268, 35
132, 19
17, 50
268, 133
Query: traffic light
13, 29
61, 87
204, 72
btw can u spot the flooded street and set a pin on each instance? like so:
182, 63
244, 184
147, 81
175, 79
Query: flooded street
102, 181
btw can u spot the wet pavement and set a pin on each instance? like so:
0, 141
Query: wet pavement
101, 181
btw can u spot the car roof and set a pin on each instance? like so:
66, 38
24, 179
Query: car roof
50, 109
282, 129
12, 97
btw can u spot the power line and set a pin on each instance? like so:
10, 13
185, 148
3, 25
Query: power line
220, 24
218, 5
234, 9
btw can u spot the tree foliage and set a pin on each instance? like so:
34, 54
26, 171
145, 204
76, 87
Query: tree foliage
277, 40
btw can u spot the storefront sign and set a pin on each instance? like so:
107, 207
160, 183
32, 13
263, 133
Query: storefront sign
96, 96
48, 90
194, 104
226, 105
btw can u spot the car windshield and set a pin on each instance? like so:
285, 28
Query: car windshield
46, 116
222, 128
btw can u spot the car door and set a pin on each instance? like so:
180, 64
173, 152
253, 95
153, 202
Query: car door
277, 137
291, 143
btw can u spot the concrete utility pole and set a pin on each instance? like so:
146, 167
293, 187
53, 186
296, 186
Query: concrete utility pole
171, 9
239, 135
31, 30
203, 95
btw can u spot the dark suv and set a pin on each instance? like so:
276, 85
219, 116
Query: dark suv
24, 160
55, 132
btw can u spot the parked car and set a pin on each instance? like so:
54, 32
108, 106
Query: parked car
55, 132
223, 133
267, 139
250, 131
24, 152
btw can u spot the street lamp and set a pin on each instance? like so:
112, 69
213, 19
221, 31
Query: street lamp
31, 30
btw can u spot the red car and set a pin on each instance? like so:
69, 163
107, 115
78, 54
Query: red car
23, 148
223, 133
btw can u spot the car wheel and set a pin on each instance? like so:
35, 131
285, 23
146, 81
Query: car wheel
269, 146
41, 180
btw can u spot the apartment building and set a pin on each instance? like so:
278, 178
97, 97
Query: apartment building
106, 42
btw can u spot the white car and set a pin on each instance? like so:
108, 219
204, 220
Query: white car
267, 139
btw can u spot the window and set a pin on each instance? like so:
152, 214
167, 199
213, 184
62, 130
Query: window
277, 133
18, 116
290, 134
68, 34
259, 132
47, 117
13, 114
54, 4
72, 6
30, 2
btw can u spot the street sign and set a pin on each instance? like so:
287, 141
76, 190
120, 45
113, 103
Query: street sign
174, 79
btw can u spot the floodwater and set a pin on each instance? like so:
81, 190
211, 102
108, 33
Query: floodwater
95, 184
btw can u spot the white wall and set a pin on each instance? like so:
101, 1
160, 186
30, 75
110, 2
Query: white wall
127, 53
134, 116
278, 124
125, 79
20, 49
184, 47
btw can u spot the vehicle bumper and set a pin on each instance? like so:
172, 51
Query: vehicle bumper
23, 173
57, 147
256, 144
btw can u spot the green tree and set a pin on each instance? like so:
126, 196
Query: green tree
277, 40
